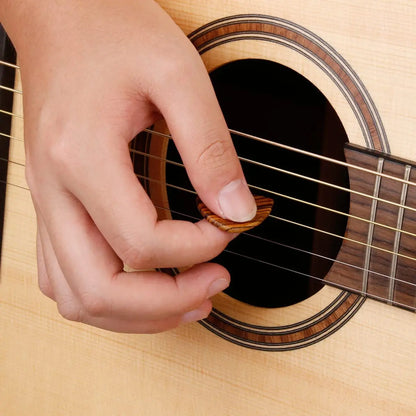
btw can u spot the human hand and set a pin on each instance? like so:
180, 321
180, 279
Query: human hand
94, 75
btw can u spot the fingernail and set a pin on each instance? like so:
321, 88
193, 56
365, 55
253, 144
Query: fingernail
217, 286
236, 202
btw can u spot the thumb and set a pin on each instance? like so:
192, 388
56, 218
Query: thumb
199, 130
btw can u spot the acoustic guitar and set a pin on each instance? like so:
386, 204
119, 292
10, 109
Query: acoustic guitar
320, 316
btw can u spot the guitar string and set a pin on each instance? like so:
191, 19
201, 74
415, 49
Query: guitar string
8, 136
307, 178
278, 194
3, 87
282, 146
332, 234
191, 217
9, 64
272, 192
253, 137
191, 191
287, 172
337, 285
9, 113
322, 183
290, 198
271, 216
306, 226
364, 244
259, 139
297, 249
300, 151
345, 287
16, 67
306, 252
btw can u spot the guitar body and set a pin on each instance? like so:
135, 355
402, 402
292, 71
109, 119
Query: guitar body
333, 353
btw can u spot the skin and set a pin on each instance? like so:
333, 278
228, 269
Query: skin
95, 73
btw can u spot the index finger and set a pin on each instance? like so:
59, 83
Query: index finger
187, 100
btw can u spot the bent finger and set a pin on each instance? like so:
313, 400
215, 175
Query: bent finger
95, 274
138, 326
67, 303
125, 215
188, 102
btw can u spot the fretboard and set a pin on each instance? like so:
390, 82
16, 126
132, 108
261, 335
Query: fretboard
378, 255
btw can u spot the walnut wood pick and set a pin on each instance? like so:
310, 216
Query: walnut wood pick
264, 207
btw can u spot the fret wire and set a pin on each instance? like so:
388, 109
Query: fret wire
272, 242
397, 237
370, 232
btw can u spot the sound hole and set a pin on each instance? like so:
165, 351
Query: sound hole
284, 260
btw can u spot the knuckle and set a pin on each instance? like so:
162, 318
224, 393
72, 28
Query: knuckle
56, 156
138, 256
217, 155
174, 63
52, 143
50, 129
69, 310
94, 305
170, 70
59, 154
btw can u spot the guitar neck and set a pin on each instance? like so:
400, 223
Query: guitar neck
377, 257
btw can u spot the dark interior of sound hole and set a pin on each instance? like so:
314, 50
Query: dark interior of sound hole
284, 260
